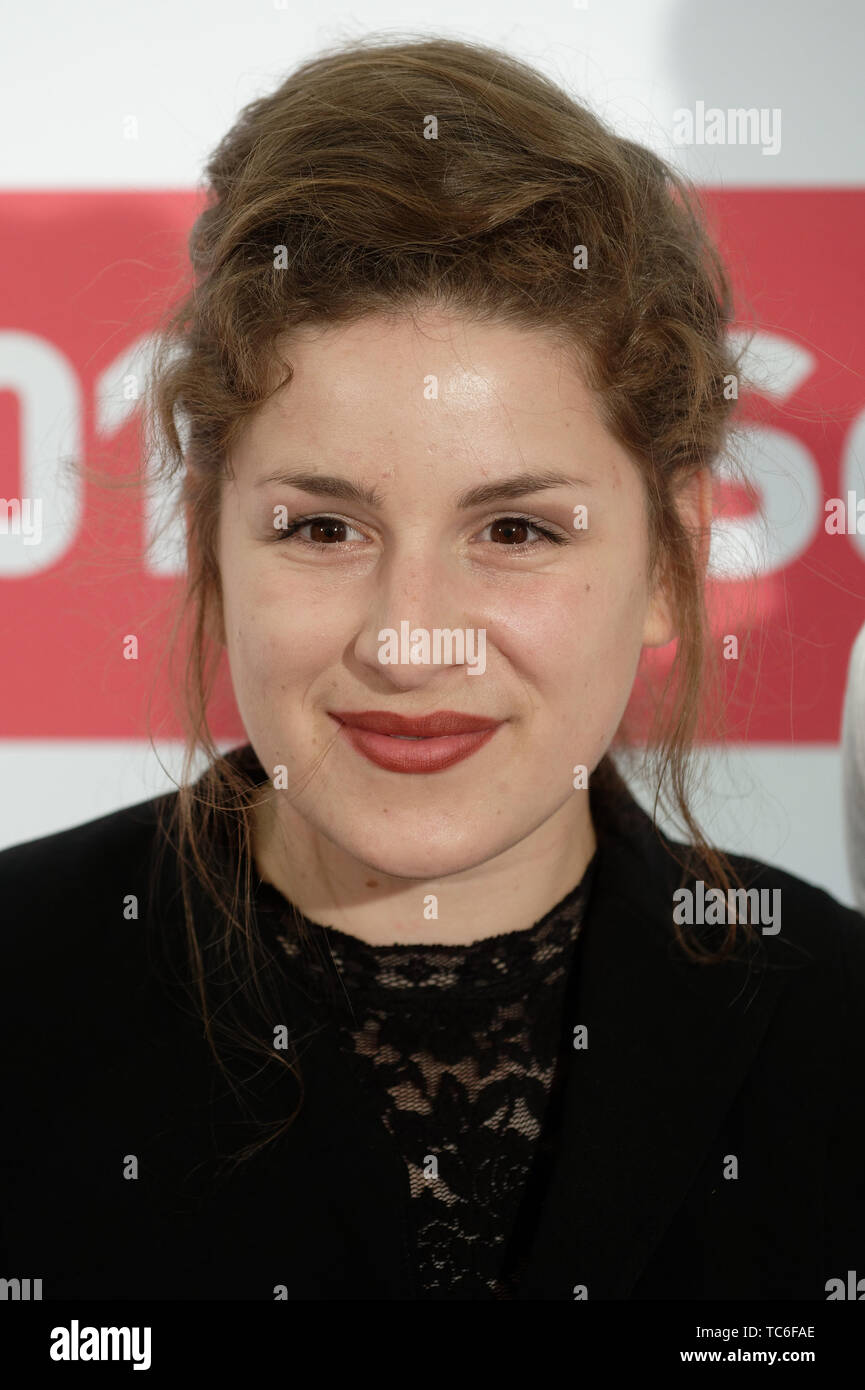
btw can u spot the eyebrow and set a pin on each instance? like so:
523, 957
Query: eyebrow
331, 485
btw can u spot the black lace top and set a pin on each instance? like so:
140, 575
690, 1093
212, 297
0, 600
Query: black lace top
457, 1046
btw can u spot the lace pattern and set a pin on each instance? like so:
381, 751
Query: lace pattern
457, 1045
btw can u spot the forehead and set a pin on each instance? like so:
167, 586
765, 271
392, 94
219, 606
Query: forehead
430, 388
475, 355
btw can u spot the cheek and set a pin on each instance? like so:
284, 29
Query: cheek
280, 633
587, 629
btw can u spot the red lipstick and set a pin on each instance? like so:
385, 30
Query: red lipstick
428, 743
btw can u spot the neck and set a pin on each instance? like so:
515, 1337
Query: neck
508, 893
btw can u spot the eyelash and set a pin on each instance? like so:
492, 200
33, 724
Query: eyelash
286, 533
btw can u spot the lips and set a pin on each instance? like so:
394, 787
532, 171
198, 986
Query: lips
430, 743
445, 721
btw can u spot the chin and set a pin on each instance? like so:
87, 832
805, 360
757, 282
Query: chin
414, 857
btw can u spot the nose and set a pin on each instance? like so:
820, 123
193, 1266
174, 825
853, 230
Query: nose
416, 595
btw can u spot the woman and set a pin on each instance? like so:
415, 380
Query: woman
407, 998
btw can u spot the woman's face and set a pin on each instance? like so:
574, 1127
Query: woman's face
414, 447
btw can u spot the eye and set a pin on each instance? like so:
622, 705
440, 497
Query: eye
511, 531
326, 530
508, 533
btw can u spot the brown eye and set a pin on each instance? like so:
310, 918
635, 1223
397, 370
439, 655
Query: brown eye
326, 530
512, 530
522, 534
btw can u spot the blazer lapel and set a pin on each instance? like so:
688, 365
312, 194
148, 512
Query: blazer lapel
668, 1046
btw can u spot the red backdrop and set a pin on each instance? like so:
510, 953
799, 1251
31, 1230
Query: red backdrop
84, 276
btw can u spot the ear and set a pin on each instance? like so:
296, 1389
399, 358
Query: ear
694, 500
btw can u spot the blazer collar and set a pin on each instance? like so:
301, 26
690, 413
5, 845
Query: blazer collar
669, 1043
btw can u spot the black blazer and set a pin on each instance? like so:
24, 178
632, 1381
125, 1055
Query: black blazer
685, 1066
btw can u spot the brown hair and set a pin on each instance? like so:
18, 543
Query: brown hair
337, 168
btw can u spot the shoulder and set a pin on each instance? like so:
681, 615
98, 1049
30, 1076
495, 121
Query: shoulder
798, 920
642, 854
58, 890
803, 935
806, 918
797, 924
82, 847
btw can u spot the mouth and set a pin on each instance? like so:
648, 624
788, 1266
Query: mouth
429, 743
